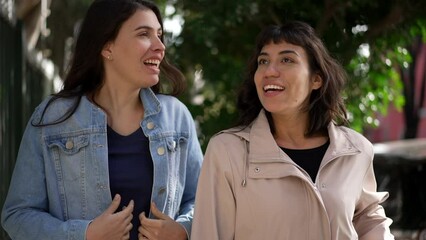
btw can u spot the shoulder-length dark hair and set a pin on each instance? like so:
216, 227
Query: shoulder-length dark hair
101, 24
325, 104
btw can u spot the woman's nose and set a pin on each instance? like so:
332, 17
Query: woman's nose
272, 71
158, 45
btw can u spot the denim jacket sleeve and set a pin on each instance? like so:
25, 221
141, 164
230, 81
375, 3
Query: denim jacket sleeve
194, 161
26, 213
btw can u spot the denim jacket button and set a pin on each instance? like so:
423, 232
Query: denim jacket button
161, 151
69, 144
150, 125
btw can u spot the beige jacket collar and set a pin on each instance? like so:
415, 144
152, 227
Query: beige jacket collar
263, 148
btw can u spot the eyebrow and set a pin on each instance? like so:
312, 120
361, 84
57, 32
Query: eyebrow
147, 28
281, 53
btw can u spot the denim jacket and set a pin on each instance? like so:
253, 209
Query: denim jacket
61, 183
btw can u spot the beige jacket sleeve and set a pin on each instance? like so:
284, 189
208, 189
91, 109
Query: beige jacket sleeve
370, 220
214, 216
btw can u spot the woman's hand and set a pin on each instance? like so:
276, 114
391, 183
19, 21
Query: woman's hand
111, 225
163, 228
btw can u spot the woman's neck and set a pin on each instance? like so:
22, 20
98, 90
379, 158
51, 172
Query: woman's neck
124, 109
290, 132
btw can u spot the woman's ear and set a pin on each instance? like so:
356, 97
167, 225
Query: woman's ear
107, 51
316, 81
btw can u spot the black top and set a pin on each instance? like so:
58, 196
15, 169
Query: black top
131, 172
308, 159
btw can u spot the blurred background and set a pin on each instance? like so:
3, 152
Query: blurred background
382, 45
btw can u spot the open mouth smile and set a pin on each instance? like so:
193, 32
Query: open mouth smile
270, 87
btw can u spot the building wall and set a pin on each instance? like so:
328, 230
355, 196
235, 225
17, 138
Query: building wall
392, 127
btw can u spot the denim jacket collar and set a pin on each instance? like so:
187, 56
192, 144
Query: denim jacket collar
150, 102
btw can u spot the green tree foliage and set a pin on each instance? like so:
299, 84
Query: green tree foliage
368, 37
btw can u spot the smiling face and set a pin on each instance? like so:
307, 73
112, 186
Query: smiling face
283, 78
134, 57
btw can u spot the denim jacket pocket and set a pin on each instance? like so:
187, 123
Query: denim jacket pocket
70, 155
69, 145
173, 143
177, 147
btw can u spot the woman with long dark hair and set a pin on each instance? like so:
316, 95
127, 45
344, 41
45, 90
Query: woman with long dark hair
112, 155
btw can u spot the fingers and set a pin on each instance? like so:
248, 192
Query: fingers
145, 224
145, 221
142, 237
129, 227
157, 213
127, 213
114, 205
142, 217
126, 237
129, 208
144, 234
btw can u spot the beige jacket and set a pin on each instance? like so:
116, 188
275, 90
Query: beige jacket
250, 189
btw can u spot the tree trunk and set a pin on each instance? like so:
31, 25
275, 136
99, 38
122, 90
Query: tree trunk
414, 78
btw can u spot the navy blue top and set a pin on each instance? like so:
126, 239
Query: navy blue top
308, 159
131, 172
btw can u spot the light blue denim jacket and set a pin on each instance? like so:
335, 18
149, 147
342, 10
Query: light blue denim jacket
61, 183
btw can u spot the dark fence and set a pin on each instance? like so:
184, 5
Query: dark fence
23, 84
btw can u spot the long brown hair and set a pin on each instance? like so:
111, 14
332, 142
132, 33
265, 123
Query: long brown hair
101, 24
